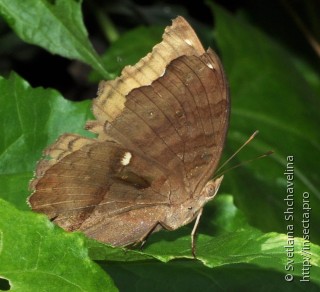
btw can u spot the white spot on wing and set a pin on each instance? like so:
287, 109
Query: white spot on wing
210, 65
188, 42
126, 158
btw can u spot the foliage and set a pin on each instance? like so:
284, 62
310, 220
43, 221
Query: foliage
241, 237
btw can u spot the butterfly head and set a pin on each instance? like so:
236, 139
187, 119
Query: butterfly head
182, 214
207, 194
210, 189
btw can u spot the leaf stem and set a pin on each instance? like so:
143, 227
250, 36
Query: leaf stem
107, 26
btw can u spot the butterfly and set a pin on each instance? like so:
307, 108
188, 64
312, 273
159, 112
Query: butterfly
160, 130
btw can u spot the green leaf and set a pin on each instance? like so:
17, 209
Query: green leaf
270, 94
30, 120
224, 236
223, 242
193, 276
56, 26
36, 255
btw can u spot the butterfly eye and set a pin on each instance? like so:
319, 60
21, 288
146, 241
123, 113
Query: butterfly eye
211, 189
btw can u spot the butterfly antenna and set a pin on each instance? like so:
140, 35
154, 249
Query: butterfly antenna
245, 162
240, 148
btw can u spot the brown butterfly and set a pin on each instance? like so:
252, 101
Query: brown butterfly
161, 128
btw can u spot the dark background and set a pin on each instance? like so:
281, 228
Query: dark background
280, 19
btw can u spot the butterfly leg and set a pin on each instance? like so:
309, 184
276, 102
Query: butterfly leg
157, 226
193, 233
